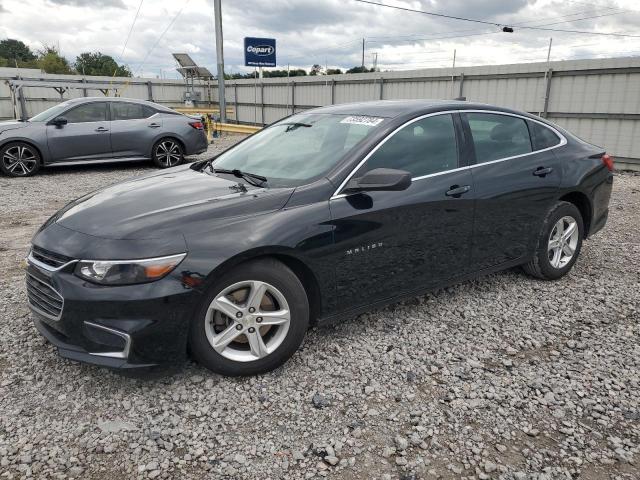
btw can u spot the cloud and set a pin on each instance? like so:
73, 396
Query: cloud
90, 3
328, 32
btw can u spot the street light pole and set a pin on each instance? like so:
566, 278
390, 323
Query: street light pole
217, 10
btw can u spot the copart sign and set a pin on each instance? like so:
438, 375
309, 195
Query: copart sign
259, 52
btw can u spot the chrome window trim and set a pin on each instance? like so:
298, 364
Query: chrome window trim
40, 311
43, 266
127, 345
563, 141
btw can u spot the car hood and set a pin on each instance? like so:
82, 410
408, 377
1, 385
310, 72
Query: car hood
171, 202
12, 125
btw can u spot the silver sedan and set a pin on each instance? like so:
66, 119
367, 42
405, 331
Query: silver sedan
99, 130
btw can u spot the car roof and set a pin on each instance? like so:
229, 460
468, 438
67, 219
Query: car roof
396, 108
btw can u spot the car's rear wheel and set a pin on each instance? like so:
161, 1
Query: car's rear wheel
559, 243
167, 153
252, 321
19, 159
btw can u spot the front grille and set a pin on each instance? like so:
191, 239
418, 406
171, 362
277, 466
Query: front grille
44, 298
47, 257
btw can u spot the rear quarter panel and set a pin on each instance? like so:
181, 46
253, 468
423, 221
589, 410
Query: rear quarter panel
583, 171
177, 126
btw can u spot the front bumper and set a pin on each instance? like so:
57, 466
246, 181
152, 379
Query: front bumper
129, 326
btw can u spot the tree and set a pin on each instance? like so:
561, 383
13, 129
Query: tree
316, 70
12, 50
334, 71
359, 70
97, 63
298, 72
50, 60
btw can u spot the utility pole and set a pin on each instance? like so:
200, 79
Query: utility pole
546, 73
217, 11
453, 71
363, 53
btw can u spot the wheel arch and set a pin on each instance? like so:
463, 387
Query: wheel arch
298, 266
170, 136
28, 142
583, 204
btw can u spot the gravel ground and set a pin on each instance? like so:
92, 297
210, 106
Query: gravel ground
501, 377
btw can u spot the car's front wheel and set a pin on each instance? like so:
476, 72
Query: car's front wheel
167, 153
253, 320
559, 243
19, 159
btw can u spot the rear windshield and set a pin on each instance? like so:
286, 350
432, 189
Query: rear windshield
300, 148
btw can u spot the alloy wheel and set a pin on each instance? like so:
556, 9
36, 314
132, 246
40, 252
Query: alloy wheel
20, 160
168, 153
247, 321
563, 241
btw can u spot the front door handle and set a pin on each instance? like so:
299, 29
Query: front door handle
102, 129
542, 171
154, 125
456, 190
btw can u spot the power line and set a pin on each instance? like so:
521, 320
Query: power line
442, 15
175, 17
453, 17
391, 39
586, 32
599, 5
524, 22
135, 18
520, 25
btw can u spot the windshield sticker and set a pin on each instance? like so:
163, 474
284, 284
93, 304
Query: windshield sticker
363, 120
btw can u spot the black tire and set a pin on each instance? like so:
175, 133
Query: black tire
167, 152
19, 159
283, 279
540, 265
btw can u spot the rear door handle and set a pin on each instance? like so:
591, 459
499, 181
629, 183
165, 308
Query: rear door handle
102, 129
456, 190
153, 125
542, 171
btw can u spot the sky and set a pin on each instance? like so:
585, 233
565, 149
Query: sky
325, 32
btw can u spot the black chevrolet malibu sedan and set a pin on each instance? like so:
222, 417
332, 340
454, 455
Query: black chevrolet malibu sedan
320, 216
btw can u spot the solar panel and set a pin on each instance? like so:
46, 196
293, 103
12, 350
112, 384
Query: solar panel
184, 60
203, 72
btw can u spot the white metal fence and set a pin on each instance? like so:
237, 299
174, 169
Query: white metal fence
599, 100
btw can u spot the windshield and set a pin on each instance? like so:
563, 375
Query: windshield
299, 149
50, 113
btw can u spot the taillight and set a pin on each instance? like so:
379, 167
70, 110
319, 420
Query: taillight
608, 161
197, 125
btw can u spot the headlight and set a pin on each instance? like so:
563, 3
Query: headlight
126, 272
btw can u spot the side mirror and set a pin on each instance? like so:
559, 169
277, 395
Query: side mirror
380, 179
59, 121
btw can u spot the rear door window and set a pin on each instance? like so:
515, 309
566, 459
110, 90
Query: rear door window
130, 111
89, 112
498, 136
